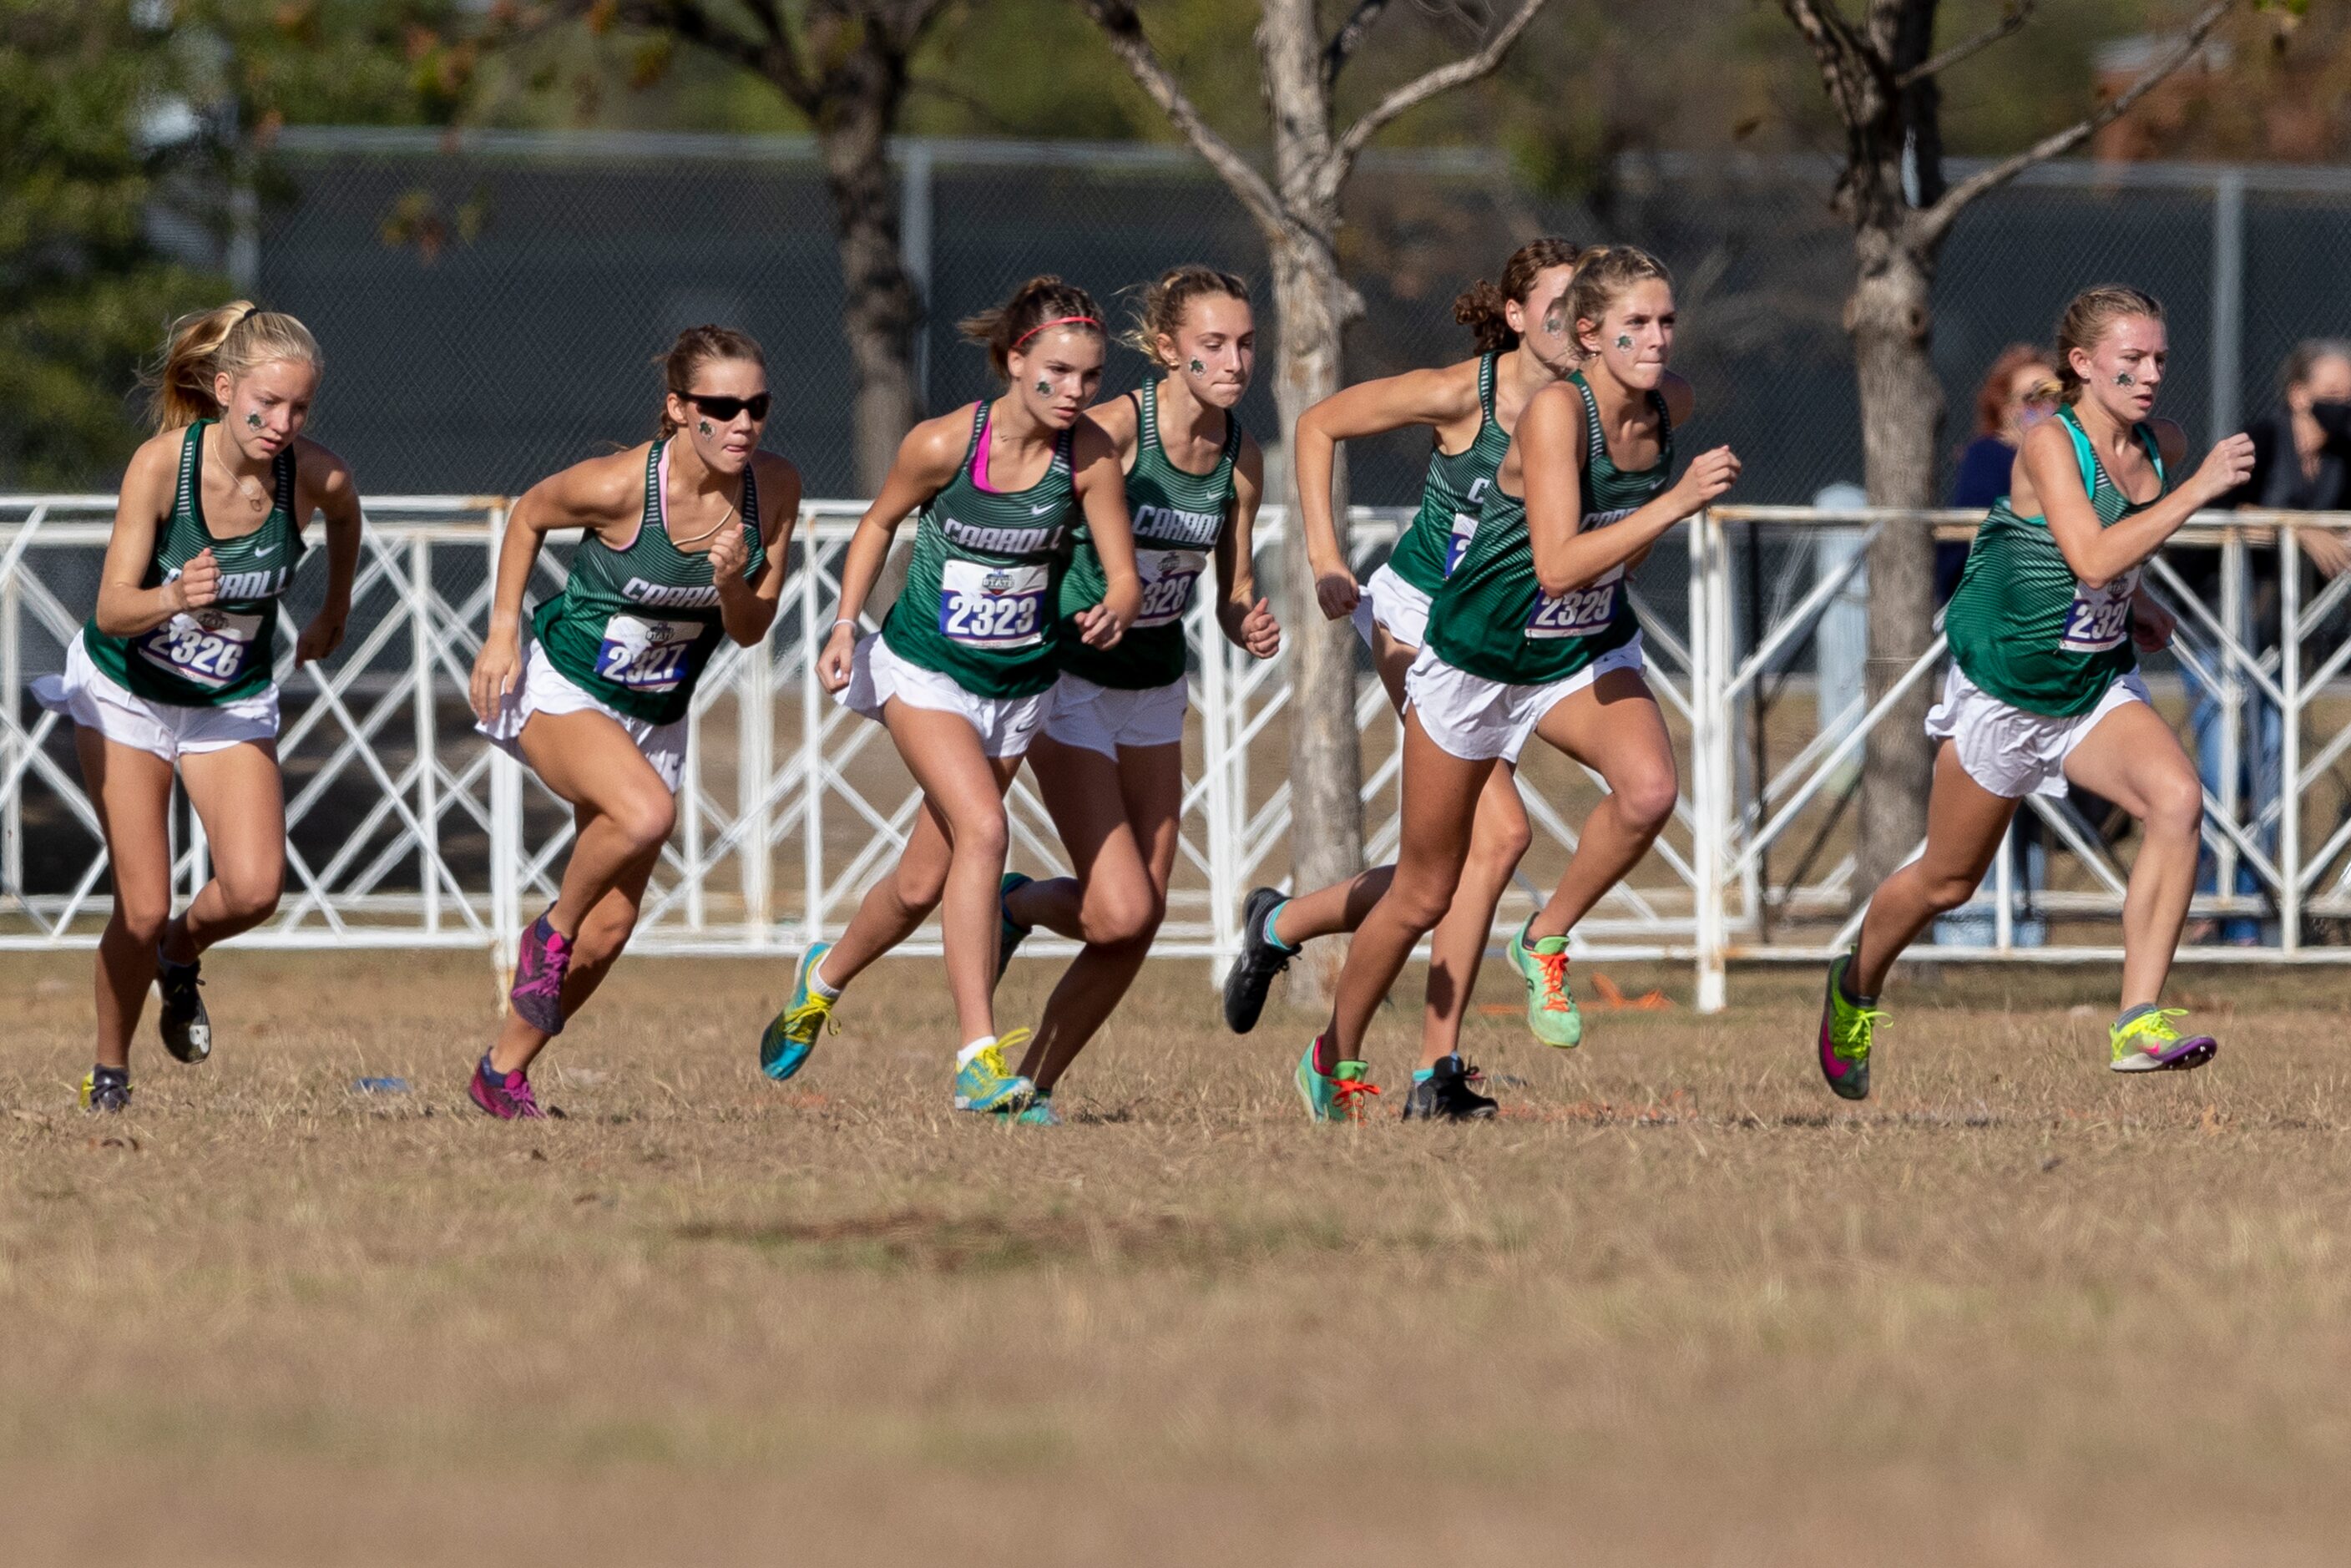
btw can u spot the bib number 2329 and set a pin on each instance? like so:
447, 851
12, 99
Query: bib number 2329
1579, 612
992, 606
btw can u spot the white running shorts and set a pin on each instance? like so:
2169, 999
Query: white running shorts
91, 697
1475, 718
876, 674
545, 689
1105, 718
2012, 752
1390, 602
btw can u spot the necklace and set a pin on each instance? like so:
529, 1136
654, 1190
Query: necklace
247, 486
696, 538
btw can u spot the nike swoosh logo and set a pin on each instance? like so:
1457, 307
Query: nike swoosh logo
1041, 511
259, 553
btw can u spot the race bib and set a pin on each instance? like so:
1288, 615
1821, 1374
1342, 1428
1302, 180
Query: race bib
1579, 612
2099, 617
1167, 580
1457, 544
205, 647
645, 656
992, 606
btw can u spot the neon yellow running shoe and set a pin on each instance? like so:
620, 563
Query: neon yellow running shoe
1846, 1030
791, 1035
985, 1083
1551, 1012
2147, 1043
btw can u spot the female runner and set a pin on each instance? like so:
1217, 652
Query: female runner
685, 542
1470, 407
178, 664
2043, 687
1532, 634
1109, 762
963, 669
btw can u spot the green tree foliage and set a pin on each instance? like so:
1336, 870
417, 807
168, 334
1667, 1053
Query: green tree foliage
84, 292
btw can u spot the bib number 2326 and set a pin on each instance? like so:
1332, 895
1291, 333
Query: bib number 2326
992, 606
204, 647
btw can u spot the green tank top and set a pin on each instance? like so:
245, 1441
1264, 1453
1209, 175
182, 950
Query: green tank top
984, 582
1432, 545
1492, 619
2022, 626
1178, 518
633, 627
229, 648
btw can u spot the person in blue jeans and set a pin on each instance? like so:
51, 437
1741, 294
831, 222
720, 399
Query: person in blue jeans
2301, 463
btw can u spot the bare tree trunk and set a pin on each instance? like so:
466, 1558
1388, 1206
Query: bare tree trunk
1326, 822
879, 308
1890, 319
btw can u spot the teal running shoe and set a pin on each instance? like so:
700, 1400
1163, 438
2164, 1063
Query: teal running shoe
791, 1035
1848, 1029
1338, 1096
1014, 934
2149, 1044
1551, 1012
985, 1083
1038, 1112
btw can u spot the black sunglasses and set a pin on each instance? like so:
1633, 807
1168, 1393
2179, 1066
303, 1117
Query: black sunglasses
723, 409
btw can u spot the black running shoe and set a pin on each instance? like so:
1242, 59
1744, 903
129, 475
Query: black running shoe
106, 1089
1262, 959
187, 1031
1449, 1093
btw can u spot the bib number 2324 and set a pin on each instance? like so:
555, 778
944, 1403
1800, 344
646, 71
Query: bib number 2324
992, 606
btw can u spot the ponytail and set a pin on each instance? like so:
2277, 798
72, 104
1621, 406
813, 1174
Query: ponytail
232, 338
1041, 302
1483, 307
696, 347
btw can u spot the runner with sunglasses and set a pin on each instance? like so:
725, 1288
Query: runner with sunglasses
1470, 407
685, 544
1110, 763
962, 671
176, 669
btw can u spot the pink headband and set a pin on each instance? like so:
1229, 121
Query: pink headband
1056, 321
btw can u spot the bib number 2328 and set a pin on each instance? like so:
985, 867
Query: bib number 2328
992, 606
1167, 580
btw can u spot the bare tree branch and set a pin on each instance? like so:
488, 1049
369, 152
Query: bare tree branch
1348, 38
774, 58
2012, 21
1930, 226
1124, 30
1420, 90
1846, 62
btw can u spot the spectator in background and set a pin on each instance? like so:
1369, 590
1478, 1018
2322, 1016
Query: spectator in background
2301, 463
2018, 392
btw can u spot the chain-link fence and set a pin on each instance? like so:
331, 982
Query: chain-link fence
490, 299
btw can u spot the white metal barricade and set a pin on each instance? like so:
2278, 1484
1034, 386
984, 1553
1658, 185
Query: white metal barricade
407, 829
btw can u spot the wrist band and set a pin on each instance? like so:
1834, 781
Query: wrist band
844, 620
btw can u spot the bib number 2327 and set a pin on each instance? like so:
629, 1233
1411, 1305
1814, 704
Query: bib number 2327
992, 606
645, 656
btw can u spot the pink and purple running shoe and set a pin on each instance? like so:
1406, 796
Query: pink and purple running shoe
539, 966
505, 1095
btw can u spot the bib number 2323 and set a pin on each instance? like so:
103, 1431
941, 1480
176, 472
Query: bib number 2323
203, 647
986, 606
645, 656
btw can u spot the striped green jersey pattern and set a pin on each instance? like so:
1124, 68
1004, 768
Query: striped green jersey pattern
1178, 518
633, 627
1491, 619
2022, 626
229, 648
1432, 546
984, 586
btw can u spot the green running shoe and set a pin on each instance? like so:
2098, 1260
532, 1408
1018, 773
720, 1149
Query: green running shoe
1014, 934
1338, 1096
791, 1035
1038, 1112
985, 1083
2149, 1044
1552, 1013
1846, 1029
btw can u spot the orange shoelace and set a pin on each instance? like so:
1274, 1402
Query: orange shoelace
1346, 1096
1555, 980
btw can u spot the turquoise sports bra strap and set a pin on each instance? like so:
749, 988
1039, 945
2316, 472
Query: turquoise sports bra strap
2082, 455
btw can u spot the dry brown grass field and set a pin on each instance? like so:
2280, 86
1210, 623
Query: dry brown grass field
1680, 1306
